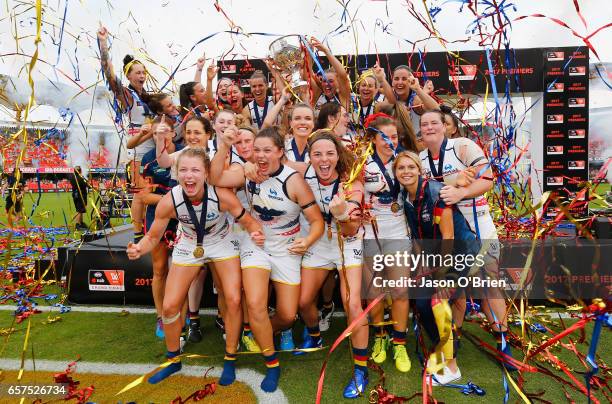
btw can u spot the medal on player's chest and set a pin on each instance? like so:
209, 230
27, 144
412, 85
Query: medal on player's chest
329, 231
199, 225
198, 252
395, 207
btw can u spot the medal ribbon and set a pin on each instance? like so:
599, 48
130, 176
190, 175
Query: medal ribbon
393, 184
199, 225
259, 119
437, 174
298, 157
327, 212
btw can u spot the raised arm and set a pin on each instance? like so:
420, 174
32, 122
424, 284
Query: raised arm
211, 73
387, 90
344, 83
347, 210
218, 175
199, 67
276, 110
163, 135
427, 100
107, 68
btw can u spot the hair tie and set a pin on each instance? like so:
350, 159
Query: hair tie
372, 117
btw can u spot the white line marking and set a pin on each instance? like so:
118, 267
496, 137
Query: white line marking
205, 312
247, 376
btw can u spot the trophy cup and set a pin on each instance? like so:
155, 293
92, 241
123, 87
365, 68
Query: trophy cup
287, 55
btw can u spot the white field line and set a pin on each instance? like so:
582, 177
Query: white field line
205, 312
247, 376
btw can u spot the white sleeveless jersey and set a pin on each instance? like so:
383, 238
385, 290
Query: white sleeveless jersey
379, 199
216, 226
324, 100
136, 115
459, 154
361, 112
323, 195
260, 110
292, 152
275, 211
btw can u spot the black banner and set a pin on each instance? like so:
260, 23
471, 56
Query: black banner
566, 103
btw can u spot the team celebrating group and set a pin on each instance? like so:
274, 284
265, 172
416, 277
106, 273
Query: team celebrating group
283, 196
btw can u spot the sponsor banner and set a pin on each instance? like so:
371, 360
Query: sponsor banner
576, 133
550, 150
576, 165
556, 87
42, 170
554, 181
566, 120
107, 280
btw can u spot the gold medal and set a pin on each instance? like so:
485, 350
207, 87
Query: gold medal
198, 252
395, 207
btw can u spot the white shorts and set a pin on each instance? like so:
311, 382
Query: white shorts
284, 268
325, 254
221, 250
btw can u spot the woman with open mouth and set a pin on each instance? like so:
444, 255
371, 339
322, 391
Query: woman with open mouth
386, 233
340, 249
203, 236
443, 160
430, 219
276, 203
241, 154
372, 86
161, 181
198, 131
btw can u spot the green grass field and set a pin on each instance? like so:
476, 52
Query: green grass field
108, 337
102, 337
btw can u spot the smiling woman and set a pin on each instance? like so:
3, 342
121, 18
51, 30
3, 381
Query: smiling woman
203, 237
276, 203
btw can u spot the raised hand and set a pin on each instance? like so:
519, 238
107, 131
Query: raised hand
201, 61
252, 173
318, 45
338, 206
212, 70
230, 135
102, 33
379, 73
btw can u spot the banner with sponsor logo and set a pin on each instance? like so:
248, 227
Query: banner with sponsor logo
566, 122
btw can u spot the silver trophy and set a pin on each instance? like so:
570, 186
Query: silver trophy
287, 55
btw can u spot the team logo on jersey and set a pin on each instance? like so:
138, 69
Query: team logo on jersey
448, 167
272, 194
253, 188
266, 214
384, 197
